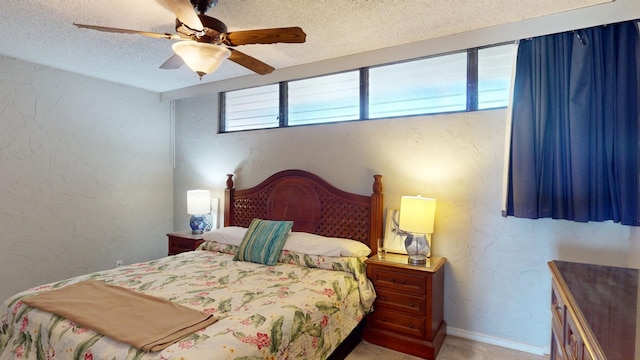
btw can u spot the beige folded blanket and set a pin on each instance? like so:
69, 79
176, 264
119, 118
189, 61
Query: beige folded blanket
146, 322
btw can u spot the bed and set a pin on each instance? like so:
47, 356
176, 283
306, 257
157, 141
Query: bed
310, 303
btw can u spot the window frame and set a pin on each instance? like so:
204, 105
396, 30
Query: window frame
472, 95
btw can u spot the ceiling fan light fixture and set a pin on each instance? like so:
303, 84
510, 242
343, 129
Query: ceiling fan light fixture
203, 58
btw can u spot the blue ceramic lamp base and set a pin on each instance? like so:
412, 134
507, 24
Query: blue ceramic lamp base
197, 224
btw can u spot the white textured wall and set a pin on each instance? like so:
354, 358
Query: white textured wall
497, 285
85, 175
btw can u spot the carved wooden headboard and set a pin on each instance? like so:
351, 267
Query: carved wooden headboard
314, 206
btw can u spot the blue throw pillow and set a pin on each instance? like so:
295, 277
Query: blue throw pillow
263, 241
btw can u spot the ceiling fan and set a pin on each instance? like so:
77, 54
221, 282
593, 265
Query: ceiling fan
203, 41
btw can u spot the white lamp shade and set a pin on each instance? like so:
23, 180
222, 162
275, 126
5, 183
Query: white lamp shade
203, 58
417, 214
198, 202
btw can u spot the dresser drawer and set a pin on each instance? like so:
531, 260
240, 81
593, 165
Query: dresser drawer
396, 322
397, 281
573, 344
558, 308
557, 346
400, 302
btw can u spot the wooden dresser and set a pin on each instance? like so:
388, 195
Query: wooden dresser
594, 312
408, 312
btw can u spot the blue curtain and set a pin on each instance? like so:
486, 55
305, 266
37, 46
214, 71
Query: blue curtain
574, 135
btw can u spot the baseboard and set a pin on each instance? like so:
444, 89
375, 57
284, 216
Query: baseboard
488, 339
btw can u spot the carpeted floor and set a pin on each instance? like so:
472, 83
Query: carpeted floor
454, 348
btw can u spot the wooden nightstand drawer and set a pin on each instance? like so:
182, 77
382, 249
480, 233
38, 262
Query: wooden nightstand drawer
181, 245
180, 242
401, 302
397, 281
397, 322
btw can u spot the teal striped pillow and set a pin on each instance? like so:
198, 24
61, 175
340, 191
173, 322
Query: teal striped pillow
263, 241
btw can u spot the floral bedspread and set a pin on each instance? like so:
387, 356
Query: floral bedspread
301, 308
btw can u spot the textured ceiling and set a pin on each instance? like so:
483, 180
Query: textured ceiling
41, 31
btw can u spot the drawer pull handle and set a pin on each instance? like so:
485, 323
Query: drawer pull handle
383, 318
412, 305
383, 298
411, 325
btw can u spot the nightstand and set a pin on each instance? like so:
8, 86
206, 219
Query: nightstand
183, 241
408, 312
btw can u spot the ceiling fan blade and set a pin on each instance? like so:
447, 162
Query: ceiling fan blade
264, 36
186, 14
173, 62
250, 62
128, 31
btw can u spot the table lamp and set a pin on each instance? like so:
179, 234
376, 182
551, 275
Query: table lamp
198, 204
416, 219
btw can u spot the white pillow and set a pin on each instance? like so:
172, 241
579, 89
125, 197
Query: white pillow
300, 242
312, 244
230, 235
